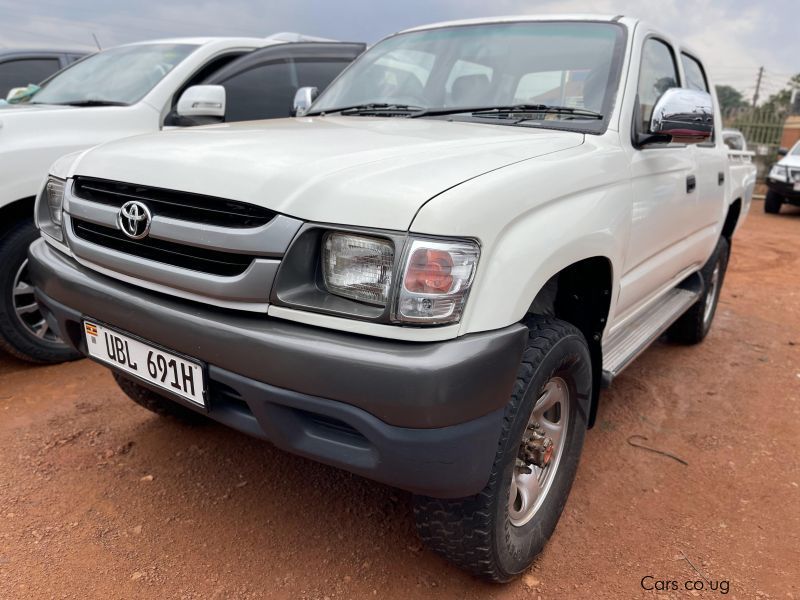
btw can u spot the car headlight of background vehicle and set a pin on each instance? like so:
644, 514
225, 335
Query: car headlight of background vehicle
49, 208
779, 172
379, 276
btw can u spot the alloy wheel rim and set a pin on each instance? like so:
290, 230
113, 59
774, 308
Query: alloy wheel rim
26, 309
530, 484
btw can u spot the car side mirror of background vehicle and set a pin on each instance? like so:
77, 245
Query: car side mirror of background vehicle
682, 116
303, 99
202, 101
783, 151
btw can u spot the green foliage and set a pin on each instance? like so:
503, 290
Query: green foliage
729, 98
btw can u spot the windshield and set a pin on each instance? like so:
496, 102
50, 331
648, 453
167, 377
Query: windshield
562, 64
117, 76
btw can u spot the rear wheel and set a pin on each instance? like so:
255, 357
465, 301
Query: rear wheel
497, 533
24, 332
155, 402
772, 203
693, 326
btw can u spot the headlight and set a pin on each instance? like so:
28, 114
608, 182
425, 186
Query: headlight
49, 207
358, 267
779, 172
382, 276
436, 279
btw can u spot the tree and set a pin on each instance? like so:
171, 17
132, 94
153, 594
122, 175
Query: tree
729, 98
780, 101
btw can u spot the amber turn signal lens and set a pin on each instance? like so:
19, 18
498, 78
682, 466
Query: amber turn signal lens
429, 272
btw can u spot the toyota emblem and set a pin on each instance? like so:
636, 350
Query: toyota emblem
134, 219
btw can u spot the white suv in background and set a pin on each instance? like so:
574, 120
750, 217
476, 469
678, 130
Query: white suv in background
124, 91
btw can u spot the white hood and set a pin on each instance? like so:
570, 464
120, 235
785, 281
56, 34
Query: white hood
363, 171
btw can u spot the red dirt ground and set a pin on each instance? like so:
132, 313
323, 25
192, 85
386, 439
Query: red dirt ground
101, 499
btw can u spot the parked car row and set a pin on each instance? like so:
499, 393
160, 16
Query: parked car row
125, 91
426, 277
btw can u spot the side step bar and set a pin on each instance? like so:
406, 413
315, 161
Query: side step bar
620, 348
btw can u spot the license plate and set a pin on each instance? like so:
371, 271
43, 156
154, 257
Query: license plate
150, 363
797, 186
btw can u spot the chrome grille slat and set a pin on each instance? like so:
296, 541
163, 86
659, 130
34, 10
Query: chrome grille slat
196, 208
187, 253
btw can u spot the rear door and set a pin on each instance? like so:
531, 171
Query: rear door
711, 158
262, 85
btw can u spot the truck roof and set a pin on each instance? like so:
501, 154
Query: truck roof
521, 18
38, 50
284, 37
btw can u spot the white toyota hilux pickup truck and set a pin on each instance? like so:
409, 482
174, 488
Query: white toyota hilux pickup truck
428, 277
123, 91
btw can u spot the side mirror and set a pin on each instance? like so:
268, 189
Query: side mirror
683, 116
303, 99
202, 101
783, 151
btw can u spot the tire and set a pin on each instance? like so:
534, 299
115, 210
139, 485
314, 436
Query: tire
484, 534
25, 335
162, 406
772, 203
693, 326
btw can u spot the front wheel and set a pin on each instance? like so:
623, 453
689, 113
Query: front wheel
24, 332
497, 533
772, 203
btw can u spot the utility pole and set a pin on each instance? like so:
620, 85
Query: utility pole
758, 85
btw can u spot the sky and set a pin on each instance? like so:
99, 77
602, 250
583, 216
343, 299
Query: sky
734, 37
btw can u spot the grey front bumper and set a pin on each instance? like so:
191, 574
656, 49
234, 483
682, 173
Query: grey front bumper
421, 416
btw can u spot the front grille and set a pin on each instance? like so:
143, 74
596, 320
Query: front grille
226, 264
186, 206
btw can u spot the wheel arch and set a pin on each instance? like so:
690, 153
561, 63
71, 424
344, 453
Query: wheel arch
580, 293
15, 211
732, 219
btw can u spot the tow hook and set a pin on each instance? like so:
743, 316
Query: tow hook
536, 449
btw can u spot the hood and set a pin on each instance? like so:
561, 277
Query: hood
790, 160
363, 171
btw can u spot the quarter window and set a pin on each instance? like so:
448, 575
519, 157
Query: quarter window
658, 73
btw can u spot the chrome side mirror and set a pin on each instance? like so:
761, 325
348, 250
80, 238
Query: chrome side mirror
202, 101
303, 99
685, 116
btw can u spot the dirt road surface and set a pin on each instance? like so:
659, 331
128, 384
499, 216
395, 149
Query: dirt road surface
101, 499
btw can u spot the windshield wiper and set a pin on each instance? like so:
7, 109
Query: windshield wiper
511, 111
89, 103
529, 109
369, 109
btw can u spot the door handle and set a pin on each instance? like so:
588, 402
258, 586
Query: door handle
691, 184
720, 178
